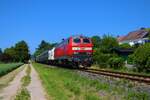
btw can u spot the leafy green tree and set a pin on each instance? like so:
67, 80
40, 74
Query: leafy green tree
149, 34
148, 30
1, 54
103, 53
10, 54
108, 42
22, 51
1, 51
96, 41
141, 57
43, 46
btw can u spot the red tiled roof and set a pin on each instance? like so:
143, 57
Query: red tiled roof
120, 38
133, 35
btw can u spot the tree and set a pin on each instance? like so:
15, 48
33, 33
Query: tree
1, 54
96, 41
103, 51
43, 46
141, 57
108, 42
148, 30
1, 51
9, 54
22, 51
149, 34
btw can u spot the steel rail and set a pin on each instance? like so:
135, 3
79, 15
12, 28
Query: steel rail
123, 73
132, 77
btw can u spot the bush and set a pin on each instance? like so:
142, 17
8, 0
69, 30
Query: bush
125, 46
100, 58
103, 49
141, 57
148, 64
116, 62
130, 59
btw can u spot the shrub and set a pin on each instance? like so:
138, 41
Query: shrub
125, 46
141, 57
116, 62
148, 64
130, 59
100, 58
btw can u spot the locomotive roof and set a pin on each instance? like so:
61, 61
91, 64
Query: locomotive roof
81, 36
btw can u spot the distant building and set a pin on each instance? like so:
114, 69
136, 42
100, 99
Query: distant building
135, 37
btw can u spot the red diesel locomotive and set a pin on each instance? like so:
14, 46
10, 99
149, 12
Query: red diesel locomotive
76, 51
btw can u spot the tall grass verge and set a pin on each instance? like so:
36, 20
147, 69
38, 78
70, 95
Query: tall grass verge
65, 84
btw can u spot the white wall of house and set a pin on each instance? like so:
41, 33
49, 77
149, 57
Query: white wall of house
133, 42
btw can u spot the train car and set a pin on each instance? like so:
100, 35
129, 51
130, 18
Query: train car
75, 51
46, 57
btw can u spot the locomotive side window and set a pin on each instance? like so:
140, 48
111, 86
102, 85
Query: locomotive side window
77, 40
86, 40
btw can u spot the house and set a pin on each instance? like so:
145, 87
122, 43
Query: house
135, 37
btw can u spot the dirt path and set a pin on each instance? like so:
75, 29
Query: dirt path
35, 87
10, 91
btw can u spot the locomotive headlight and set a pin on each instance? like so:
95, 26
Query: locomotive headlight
88, 48
75, 48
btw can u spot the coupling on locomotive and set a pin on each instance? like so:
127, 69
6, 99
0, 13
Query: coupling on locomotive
76, 51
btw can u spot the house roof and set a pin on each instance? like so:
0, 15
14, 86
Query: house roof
138, 34
120, 38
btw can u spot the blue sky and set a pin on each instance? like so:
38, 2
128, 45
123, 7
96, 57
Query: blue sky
52, 20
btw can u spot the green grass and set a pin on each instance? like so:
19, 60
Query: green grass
64, 84
6, 68
4, 80
23, 95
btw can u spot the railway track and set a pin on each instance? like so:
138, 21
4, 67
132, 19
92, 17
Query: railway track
129, 76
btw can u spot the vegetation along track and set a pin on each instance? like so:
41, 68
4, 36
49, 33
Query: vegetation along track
130, 76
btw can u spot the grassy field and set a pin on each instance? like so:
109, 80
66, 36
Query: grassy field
4, 80
6, 68
64, 84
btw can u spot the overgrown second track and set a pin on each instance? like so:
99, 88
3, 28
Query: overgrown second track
130, 76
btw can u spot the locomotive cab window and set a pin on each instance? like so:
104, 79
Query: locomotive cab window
76, 40
86, 40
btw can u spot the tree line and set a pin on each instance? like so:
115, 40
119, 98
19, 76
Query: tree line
17, 53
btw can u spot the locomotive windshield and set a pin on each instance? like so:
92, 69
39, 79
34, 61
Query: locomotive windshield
86, 40
77, 40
